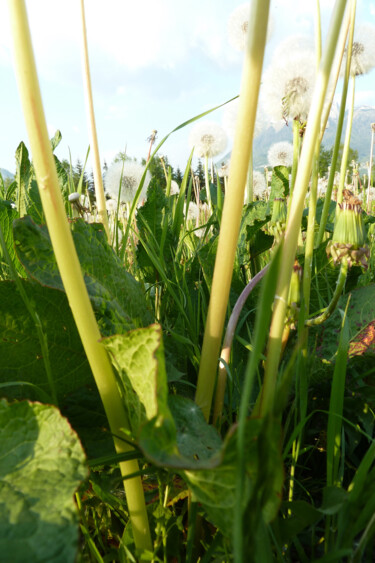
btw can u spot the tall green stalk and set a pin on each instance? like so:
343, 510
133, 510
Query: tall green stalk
345, 152
98, 180
297, 206
340, 123
68, 263
233, 203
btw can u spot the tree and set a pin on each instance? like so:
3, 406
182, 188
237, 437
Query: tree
325, 159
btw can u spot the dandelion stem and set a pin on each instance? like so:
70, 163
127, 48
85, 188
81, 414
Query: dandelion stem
345, 152
228, 340
233, 203
295, 216
98, 180
336, 296
340, 123
68, 263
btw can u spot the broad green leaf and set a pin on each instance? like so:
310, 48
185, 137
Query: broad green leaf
7, 215
279, 183
23, 177
20, 351
56, 140
301, 515
361, 325
117, 298
185, 441
27, 196
139, 360
41, 465
215, 488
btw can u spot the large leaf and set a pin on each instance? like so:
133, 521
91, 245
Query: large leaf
27, 194
41, 465
185, 441
116, 296
139, 360
215, 488
361, 323
20, 352
8, 214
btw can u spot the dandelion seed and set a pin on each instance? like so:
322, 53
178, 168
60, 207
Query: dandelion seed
208, 138
129, 174
280, 154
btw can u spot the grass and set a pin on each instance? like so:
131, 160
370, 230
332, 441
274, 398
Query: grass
128, 336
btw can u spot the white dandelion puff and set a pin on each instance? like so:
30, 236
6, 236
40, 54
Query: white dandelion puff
288, 84
363, 51
175, 189
259, 184
193, 212
129, 174
208, 138
111, 205
280, 154
223, 171
238, 26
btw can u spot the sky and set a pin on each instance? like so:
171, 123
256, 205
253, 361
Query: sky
154, 65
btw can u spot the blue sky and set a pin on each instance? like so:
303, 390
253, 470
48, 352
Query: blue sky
154, 65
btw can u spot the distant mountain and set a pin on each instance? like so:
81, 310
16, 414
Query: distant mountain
6, 174
360, 138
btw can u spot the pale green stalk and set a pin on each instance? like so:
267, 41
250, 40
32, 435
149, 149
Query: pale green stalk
307, 270
335, 73
313, 196
68, 263
98, 180
368, 205
207, 182
340, 122
297, 206
233, 203
345, 152
296, 151
249, 183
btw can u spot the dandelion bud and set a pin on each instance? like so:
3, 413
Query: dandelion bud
276, 226
294, 296
349, 237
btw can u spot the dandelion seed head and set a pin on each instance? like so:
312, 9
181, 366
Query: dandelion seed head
208, 138
73, 197
259, 184
280, 154
289, 82
175, 189
238, 26
111, 205
193, 211
363, 50
129, 174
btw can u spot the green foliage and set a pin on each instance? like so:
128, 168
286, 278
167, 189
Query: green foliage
325, 158
42, 464
117, 298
